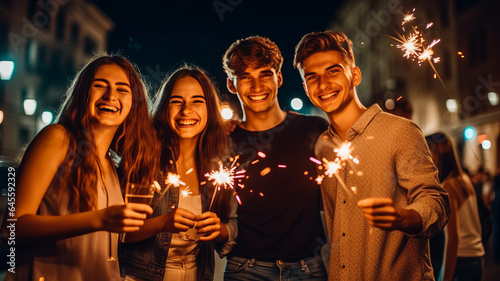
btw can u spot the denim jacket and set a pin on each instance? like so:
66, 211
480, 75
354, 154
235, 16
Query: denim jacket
147, 259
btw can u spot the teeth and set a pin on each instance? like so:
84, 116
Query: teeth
257, 98
107, 108
328, 96
187, 122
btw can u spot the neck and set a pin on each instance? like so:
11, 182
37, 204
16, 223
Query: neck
102, 139
187, 154
343, 119
261, 121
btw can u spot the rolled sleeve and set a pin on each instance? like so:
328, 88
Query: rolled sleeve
419, 176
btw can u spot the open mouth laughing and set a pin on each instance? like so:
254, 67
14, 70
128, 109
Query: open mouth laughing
186, 122
107, 108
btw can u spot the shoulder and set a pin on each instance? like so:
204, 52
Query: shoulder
52, 140
307, 122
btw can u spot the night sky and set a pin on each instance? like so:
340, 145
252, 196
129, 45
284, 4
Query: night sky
160, 36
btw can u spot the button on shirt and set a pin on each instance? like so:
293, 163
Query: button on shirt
394, 162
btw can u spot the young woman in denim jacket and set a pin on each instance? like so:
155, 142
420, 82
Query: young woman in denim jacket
189, 127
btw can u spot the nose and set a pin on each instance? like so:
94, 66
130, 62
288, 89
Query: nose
256, 86
186, 108
109, 94
324, 83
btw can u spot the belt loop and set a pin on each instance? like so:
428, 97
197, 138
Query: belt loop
303, 265
251, 262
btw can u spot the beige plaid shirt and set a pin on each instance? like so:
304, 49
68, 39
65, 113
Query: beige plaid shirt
394, 161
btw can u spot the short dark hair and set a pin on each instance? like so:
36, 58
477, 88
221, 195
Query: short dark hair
323, 41
255, 52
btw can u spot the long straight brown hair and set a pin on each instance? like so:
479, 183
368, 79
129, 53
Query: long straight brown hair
134, 143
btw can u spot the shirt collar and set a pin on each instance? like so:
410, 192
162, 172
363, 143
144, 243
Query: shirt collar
360, 125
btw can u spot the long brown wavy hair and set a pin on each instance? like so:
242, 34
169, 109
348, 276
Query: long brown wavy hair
133, 148
212, 143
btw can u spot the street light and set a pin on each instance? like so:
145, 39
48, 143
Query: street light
6, 70
29, 106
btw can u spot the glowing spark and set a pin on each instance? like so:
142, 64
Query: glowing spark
265, 171
429, 25
238, 199
306, 173
400, 97
261, 194
186, 192
408, 17
224, 177
261, 154
282, 166
174, 179
332, 167
344, 152
319, 180
189, 171
255, 161
315, 160
354, 189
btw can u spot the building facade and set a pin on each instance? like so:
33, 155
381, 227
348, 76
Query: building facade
48, 40
459, 91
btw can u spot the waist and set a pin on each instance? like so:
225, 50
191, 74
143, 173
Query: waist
275, 262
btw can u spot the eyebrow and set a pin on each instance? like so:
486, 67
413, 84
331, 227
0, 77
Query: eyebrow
263, 71
328, 68
194, 97
106, 81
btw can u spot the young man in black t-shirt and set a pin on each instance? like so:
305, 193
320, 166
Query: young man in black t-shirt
279, 226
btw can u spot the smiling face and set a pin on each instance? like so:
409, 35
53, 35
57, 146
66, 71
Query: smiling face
110, 96
187, 108
257, 88
329, 80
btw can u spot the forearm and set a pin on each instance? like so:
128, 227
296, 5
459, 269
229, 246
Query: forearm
150, 228
33, 229
411, 222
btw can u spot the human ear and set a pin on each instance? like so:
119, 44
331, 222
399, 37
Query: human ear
356, 76
305, 89
230, 85
280, 79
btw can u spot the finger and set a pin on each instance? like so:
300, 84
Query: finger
185, 213
375, 202
206, 222
138, 207
205, 215
181, 227
210, 228
181, 220
132, 222
129, 229
380, 211
210, 237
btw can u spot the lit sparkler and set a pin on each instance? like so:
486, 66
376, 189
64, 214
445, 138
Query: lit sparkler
415, 47
224, 177
186, 192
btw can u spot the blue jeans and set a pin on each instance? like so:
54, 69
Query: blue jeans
238, 268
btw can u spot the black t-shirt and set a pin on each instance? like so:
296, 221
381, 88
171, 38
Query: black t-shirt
279, 215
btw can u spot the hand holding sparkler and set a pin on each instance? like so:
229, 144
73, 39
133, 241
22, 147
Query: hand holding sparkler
383, 214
